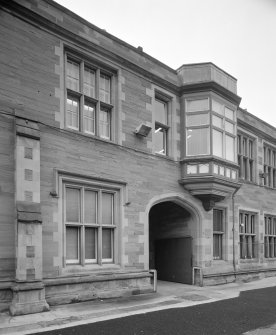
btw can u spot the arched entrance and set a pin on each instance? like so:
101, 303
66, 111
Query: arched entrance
171, 231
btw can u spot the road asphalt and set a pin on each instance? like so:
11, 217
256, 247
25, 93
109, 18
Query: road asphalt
170, 299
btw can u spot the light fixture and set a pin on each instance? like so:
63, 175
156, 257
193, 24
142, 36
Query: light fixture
142, 130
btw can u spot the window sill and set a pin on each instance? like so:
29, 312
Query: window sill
72, 269
169, 158
94, 137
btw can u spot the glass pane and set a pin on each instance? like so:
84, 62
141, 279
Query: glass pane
107, 242
160, 140
72, 75
198, 105
198, 142
228, 173
221, 170
89, 82
217, 246
230, 148
161, 111
191, 169
107, 208
216, 168
72, 205
234, 174
197, 119
217, 143
203, 168
72, 115
90, 207
105, 123
217, 220
229, 127
229, 113
105, 88
90, 243
217, 121
89, 118
217, 107
72, 243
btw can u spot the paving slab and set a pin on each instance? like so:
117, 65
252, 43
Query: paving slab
168, 295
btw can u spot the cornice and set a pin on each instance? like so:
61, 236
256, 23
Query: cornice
42, 23
211, 86
257, 131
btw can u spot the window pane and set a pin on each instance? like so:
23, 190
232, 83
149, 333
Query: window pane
89, 118
72, 243
230, 148
229, 113
72, 75
228, 173
216, 168
197, 105
107, 242
105, 123
217, 107
217, 220
90, 207
197, 119
72, 115
203, 168
191, 169
217, 121
72, 204
160, 140
105, 88
198, 141
89, 82
229, 127
217, 246
161, 111
217, 143
90, 243
107, 208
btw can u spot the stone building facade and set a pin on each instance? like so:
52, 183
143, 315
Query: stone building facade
114, 165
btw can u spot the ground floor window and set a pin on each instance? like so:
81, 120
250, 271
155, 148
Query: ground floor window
218, 232
248, 240
270, 236
89, 223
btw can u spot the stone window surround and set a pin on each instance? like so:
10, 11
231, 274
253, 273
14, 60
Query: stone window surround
62, 176
98, 66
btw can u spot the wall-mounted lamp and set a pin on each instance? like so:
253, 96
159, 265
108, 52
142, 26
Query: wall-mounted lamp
142, 130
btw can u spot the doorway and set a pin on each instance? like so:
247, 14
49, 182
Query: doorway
170, 242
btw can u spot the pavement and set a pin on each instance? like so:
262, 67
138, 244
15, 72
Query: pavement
168, 295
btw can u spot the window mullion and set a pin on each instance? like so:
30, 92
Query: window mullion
100, 228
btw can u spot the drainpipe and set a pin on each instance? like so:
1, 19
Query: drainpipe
233, 230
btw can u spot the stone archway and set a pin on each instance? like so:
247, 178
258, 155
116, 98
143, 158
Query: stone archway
173, 230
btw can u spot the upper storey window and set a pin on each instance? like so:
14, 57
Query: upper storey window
160, 140
246, 157
198, 127
88, 98
205, 117
269, 167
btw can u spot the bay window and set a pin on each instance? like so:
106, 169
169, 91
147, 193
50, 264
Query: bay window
202, 131
89, 223
89, 98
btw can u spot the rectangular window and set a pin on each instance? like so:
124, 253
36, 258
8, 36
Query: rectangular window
269, 167
223, 131
218, 232
270, 236
246, 157
90, 224
89, 98
197, 127
248, 242
161, 125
